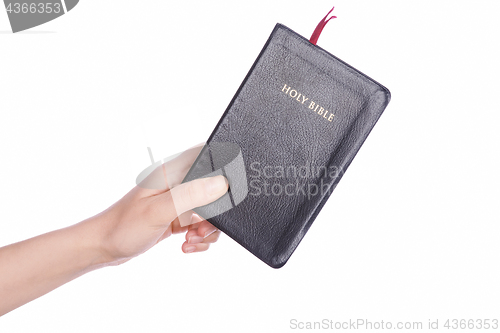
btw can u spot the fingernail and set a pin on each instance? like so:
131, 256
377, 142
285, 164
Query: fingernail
190, 249
195, 218
216, 185
208, 233
195, 239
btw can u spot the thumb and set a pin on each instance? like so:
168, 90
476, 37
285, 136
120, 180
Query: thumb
196, 193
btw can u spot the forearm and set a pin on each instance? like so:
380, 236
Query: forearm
138, 221
32, 268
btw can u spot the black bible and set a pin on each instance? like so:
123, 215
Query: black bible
285, 140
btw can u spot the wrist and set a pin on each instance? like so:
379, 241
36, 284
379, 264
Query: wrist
91, 241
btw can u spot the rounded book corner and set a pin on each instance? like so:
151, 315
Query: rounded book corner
383, 95
277, 262
387, 93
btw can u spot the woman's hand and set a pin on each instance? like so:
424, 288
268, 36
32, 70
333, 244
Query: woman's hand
157, 208
152, 211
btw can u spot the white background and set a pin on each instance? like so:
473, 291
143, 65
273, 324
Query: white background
411, 232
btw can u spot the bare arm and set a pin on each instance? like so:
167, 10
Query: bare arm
138, 221
32, 268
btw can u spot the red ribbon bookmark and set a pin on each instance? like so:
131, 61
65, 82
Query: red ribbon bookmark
319, 28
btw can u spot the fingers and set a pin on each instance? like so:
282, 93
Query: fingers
175, 227
199, 236
187, 196
185, 221
213, 237
161, 177
204, 230
199, 231
191, 248
199, 244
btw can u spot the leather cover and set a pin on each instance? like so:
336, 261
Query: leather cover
284, 142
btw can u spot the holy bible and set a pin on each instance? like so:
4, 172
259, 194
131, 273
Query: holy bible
285, 140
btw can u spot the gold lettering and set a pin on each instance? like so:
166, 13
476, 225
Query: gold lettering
312, 105
287, 89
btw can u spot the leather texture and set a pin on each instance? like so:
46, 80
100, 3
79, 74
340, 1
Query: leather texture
285, 147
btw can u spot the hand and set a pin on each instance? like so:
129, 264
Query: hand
150, 213
142, 218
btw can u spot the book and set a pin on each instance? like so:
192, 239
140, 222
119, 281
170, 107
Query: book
284, 142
